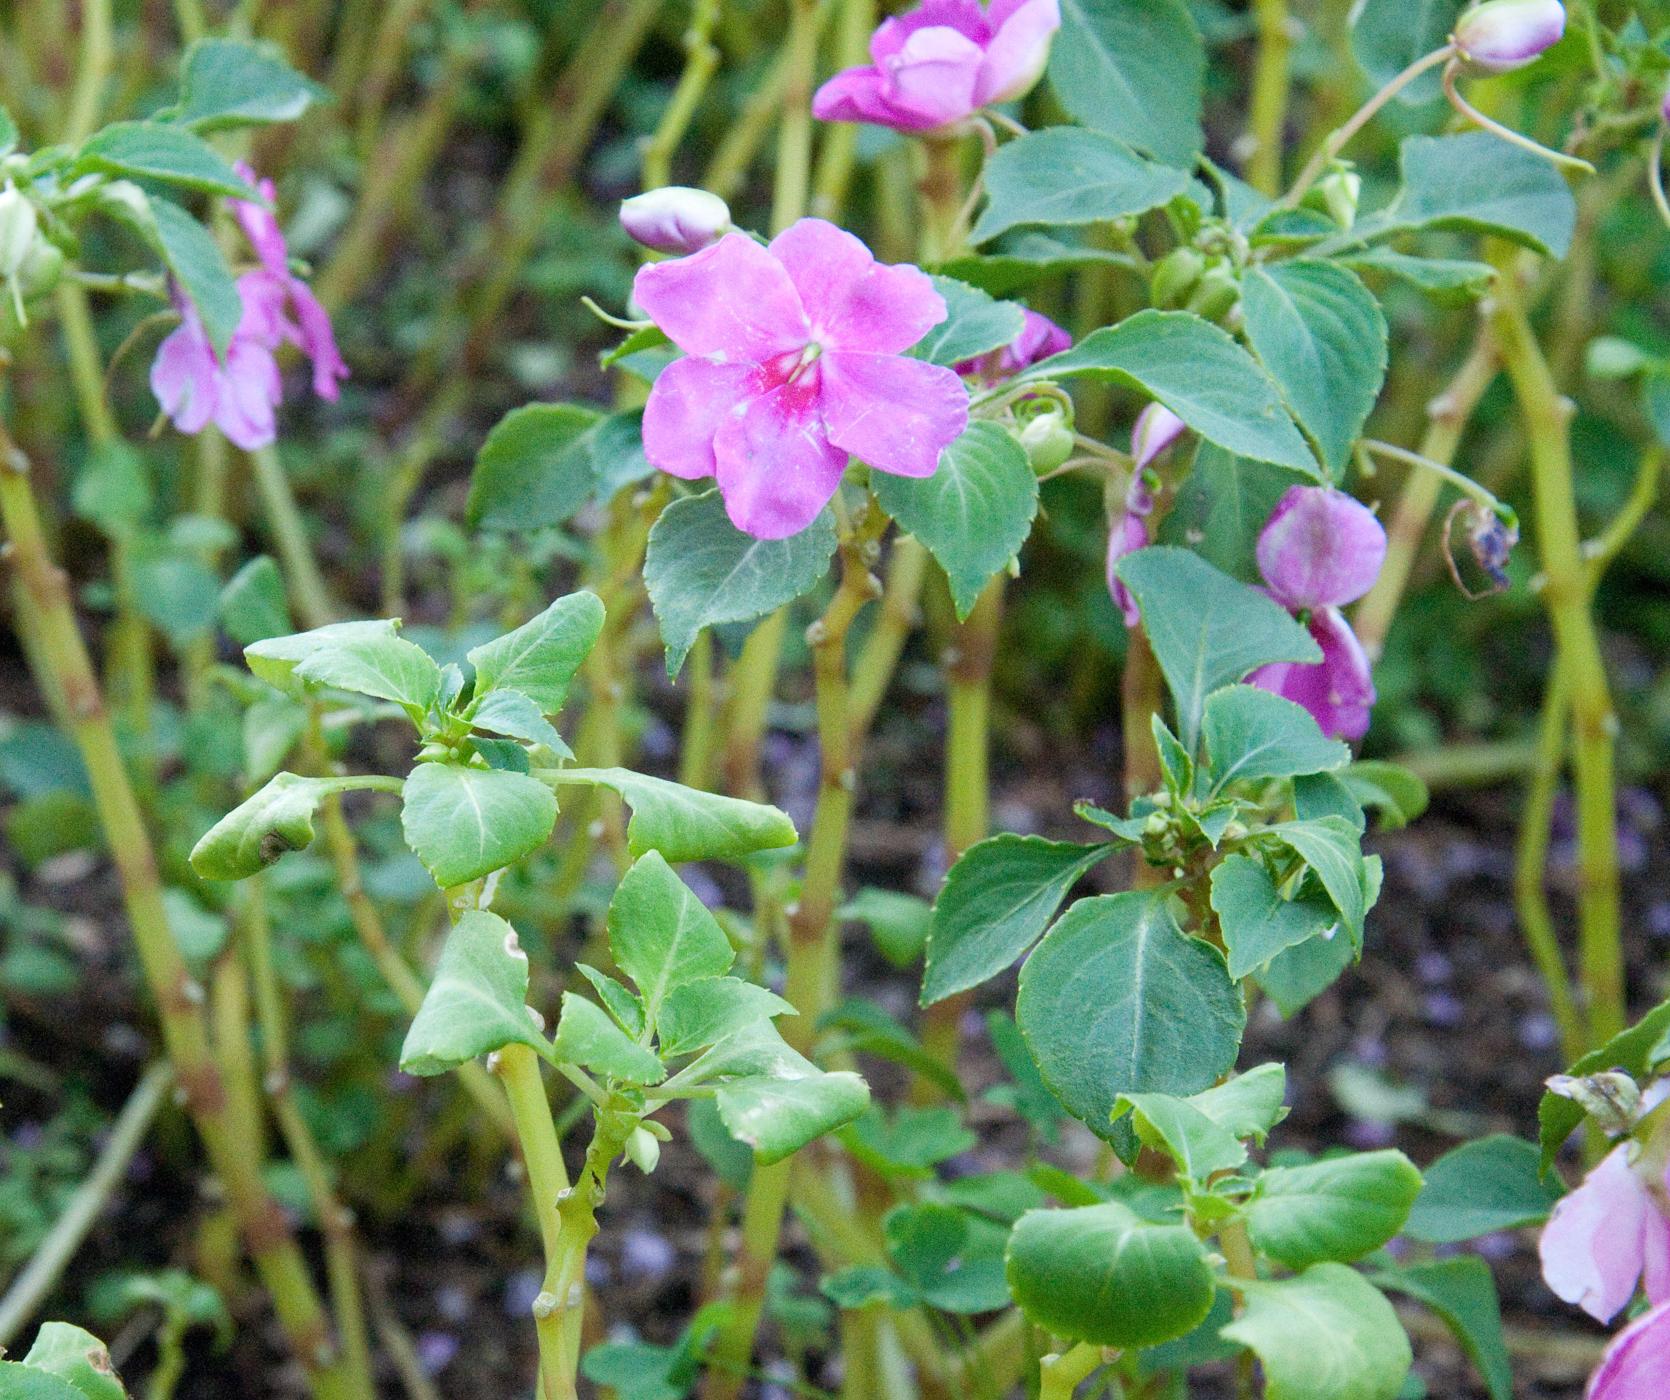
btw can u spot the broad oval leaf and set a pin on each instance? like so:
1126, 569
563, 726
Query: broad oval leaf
1252, 734
1332, 847
684, 823
1200, 373
275, 819
1103, 1274
702, 571
1389, 35
778, 1115
702, 1013
973, 514
228, 83
1136, 68
1338, 1208
1065, 176
477, 1001
20, 1382
77, 1356
1463, 1292
1222, 506
1258, 924
534, 469
464, 823
1494, 1183
1116, 999
199, 266
159, 151
661, 935
1320, 333
540, 657
997, 900
975, 324
588, 1038
375, 663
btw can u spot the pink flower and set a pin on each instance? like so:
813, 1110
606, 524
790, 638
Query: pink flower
1637, 1363
1039, 338
1499, 36
272, 293
1129, 534
1605, 1237
196, 388
1319, 551
793, 361
675, 219
943, 62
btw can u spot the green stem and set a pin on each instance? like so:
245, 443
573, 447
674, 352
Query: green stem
701, 61
794, 133
1059, 1376
1567, 597
1271, 83
838, 155
295, 553
896, 619
98, 55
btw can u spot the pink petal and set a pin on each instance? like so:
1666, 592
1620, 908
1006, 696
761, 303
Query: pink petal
250, 390
1157, 428
860, 95
1338, 690
184, 376
260, 225
896, 414
932, 79
1637, 1363
1320, 548
1592, 1247
1019, 48
777, 468
318, 340
1129, 534
853, 301
688, 403
731, 301
266, 296
964, 16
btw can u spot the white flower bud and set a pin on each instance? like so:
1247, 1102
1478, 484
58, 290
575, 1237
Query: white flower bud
1501, 35
675, 219
19, 228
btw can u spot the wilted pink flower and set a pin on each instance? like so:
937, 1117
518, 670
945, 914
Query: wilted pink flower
1637, 1362
195, 387
272, 292
1501, 35
675, 218
1157, 428
792, 362
943, 62
1319, 551
1605, 1237
1129, 534
1039, 338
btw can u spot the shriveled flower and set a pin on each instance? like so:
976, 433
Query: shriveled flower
675, 219
1039, 338
1128, 534
1637, 1362
1320, 550
1157, 428
1607, 1236
794, 361
1499, 36
941, 63
195, 387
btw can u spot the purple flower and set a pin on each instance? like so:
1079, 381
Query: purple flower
1637, 1362
675, 219
1039, 338
1319, 551
1157, 428
195, 387
793, 361
1501, 35
1129, 534
941, 63
1605, 1237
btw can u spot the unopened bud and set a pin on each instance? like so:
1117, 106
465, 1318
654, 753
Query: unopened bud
1047, 440
675, 219
19, 228
643, 1150
1340, 191
1501, 35
42, 267
1175, 276
1612, 1098
1216, 294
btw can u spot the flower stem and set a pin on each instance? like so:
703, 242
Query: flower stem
1507, 133
1567, 597
898, 616
1060, 1375
98, 56
701, 61
1271, 84
284, 519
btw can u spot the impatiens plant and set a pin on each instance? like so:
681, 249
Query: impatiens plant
476, 881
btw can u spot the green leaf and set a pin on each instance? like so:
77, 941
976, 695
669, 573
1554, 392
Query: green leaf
1197, 1143
702, 571
535, 468
588, 1038
910, 1141
76, 1356
868, 1286
702, 1013
1103, 1274
1022, 259
1222, 506
513, 713
1136, 68
20, 1382
477, 1001
1388, 35
274, 659
464, 823
952, 1258
974, 325
1197, 371
375, 663
1206, 629
252, 605
661, 935
8, 133
1399, 795
1328, 1334
1258, 924
1632, 1051
1492, 1184
1065, 175
1116, 999
226, 83
1296, 977
779, 1115
625, 1007
1338, 1208
973, 514
1248, 1105
199, 266
540, 657
1448, 281
1477, 183
158, 151
254, 834
686, 823
996, 901
1463, 1293
1331, 846
1320, 333
1251, 734
897, 922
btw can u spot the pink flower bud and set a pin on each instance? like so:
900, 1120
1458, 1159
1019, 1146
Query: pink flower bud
1320, 549
1157, 428
675, 219
1501, 35
1637, 1362
1129, 534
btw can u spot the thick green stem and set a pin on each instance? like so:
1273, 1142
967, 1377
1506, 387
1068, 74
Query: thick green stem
701, 61
896, 619
1566, 596
1059, 1376
284, 518
1271, 83
98, 56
